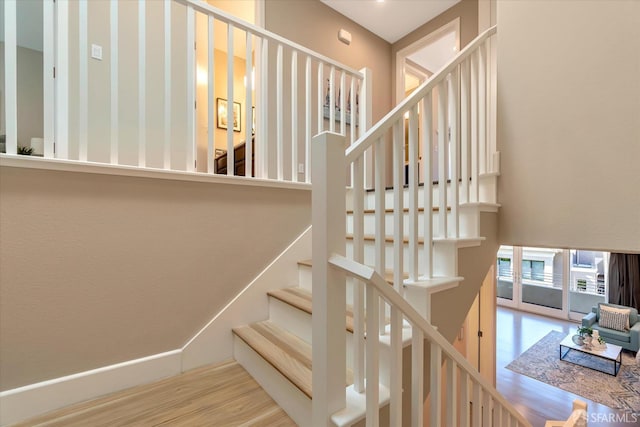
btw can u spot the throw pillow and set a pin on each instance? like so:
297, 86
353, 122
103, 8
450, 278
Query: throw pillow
614, 318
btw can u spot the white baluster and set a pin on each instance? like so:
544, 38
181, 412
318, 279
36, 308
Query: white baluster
417, 375
358, 288
11, 76
454, 144
465, 130
427, 132
83, 82
294, 116
307, 121
142, 81
167, 83
395, 379
343, 110
231, 158
443, 137
452, 393
279, 114
321, 97
332, 99
482, 107
373, 359
475, 181
248, 103
211, 126
48, 82
436, 386
413, 194
476, 405
464, 399
62, 81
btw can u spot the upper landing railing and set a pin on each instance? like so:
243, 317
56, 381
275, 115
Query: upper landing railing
176, 85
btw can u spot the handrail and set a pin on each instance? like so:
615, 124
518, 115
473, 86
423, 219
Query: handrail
370, 277
363, 143
205, 8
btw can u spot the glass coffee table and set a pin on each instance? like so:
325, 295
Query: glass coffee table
611, 352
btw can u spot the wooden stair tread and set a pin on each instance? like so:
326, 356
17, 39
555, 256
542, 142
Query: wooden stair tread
390, 239
391, 210
434, 283
302, 300
288, 354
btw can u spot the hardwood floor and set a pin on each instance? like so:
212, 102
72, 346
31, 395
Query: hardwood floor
537, 401
225, 395
221, 395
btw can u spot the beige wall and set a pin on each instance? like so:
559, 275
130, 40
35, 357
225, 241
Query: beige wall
569, 124
99, 269
315, 26
30, 95
466, 10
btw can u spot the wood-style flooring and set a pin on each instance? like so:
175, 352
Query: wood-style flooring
538, 401
226, 395
222, 395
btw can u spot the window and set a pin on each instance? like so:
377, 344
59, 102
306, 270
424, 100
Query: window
584, 259
533, 270
504, 267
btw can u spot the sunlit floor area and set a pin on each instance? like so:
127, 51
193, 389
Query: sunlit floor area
537, 401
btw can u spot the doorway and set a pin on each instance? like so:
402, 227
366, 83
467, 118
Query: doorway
416, 63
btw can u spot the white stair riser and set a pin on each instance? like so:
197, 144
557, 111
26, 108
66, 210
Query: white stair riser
304, 277
298, 323
445, 257
304, 272
294, 402
468, 223
487, 191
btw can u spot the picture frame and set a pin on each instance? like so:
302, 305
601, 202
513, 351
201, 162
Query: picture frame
221, 108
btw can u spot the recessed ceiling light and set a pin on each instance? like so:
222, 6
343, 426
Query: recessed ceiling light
380, 1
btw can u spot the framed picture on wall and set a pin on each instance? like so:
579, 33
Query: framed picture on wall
221, 108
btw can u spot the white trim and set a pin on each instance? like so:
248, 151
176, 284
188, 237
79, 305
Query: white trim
11, 76
191, 91
142, 85
48, 84
210, 95
114, 82
83, 79
24, 402
62, 80
30, 162
402, 54
167, 84
213, 343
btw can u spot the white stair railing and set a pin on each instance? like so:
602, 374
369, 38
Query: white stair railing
181, 88
457, 96
479, 404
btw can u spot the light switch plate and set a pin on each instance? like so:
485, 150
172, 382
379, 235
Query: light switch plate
96, 52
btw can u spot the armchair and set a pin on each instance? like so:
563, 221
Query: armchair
629, 340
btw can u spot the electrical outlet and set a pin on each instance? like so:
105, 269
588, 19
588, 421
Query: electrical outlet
96, 52
300, 167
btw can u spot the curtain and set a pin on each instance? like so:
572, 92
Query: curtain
624, 279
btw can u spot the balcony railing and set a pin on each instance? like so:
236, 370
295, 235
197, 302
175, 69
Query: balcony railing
174, 85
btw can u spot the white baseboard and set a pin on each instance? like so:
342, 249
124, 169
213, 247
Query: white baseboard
29, 401
214, 342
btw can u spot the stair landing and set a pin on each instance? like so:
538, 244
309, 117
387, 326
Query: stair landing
214, 395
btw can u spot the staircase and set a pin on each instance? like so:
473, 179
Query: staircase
363, 278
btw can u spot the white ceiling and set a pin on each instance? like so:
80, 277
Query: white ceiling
390, 19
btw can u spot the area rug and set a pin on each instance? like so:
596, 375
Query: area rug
542, 362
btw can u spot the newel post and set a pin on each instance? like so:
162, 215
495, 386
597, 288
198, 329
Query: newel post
329, 301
